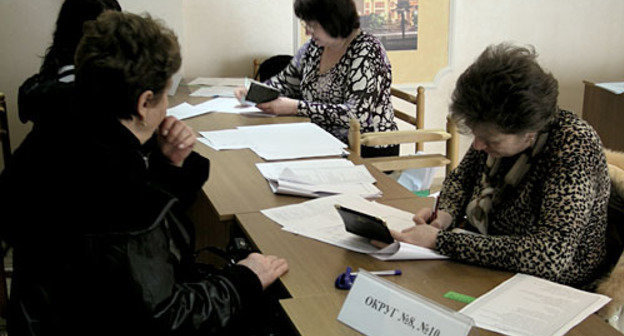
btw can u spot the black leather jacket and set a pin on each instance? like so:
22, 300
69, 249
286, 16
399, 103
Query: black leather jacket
101, 245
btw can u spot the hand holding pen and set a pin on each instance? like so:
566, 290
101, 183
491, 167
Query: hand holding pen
434, 217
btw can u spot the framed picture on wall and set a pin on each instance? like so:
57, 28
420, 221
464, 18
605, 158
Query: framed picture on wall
415, 33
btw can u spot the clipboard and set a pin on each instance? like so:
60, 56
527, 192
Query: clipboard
365, 225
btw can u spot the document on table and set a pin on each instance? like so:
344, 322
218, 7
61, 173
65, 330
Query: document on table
212, 91
231, 105
272, 170
615, 87
213, 81
224, 139
319, 220
186, 110
527, 305
292, 141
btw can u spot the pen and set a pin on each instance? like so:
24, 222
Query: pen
434, 214
388, 272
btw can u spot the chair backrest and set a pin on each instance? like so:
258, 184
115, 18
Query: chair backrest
4, 131
265, 69
418, 135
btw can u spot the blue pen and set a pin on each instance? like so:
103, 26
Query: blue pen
388, 272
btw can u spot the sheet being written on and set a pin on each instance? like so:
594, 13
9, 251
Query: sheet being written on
529, 306
318, 219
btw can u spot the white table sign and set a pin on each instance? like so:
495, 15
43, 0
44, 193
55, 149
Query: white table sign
376, 306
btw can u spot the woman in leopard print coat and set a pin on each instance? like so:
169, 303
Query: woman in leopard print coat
533, 189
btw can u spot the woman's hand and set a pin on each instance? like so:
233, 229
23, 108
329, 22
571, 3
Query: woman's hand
176, 140
280, 106
422, 235
267, 268
240, 93
443, 221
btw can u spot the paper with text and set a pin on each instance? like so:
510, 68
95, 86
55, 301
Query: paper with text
319, 220
526, 305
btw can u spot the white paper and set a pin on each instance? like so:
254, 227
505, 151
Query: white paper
333, 175
615, 87
526, 305
272, 170
212, 91
186, 110
224, 139
175, 82
213, 81
292, 141
319, 220
365, 190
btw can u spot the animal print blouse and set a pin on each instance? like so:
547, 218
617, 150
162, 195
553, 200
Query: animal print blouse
553, 225
358, 86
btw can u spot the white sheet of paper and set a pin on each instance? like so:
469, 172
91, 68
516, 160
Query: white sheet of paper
526, 305
615, 87
175, 82
186, 110
224, 139
292, 141
365, 190
216, 81
319, 220
272, 170
334, 175
211, 91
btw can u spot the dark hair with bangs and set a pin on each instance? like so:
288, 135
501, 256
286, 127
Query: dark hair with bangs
120, 56
337, 17
505, 86
71, 18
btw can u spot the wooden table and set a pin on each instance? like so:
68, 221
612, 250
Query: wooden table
604, 110
235, 185
315, 302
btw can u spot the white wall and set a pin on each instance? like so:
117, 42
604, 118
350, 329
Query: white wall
576, 40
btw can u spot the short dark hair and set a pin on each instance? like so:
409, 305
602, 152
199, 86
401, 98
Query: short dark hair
337, 17
120, 56
506, 87
71, 18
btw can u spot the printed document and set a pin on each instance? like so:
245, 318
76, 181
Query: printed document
318, 219
526, 306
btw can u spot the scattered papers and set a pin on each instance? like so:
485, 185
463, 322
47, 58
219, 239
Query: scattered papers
213, 81
318, 178
318, 219
615, 87
527, 305
232, 105
212, 91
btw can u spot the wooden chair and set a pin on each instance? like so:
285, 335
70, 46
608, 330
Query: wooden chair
4, 131
418, 136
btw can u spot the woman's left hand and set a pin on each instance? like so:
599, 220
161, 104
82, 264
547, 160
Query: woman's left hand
176, 140
280, 106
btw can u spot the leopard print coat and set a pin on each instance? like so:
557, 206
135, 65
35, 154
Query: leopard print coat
358, 86
553, 225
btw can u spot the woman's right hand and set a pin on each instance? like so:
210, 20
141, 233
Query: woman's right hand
423, 216
240, 93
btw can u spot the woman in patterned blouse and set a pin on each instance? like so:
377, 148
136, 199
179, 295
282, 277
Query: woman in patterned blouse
533, 189
339, 74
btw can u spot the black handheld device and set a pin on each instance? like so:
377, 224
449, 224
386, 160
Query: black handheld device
365, 225
260, 93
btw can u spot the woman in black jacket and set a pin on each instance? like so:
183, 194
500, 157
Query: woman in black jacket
101, 245
49, 92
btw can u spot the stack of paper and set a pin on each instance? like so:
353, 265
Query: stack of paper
278, 141
526, 305
317, 178
318, 219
